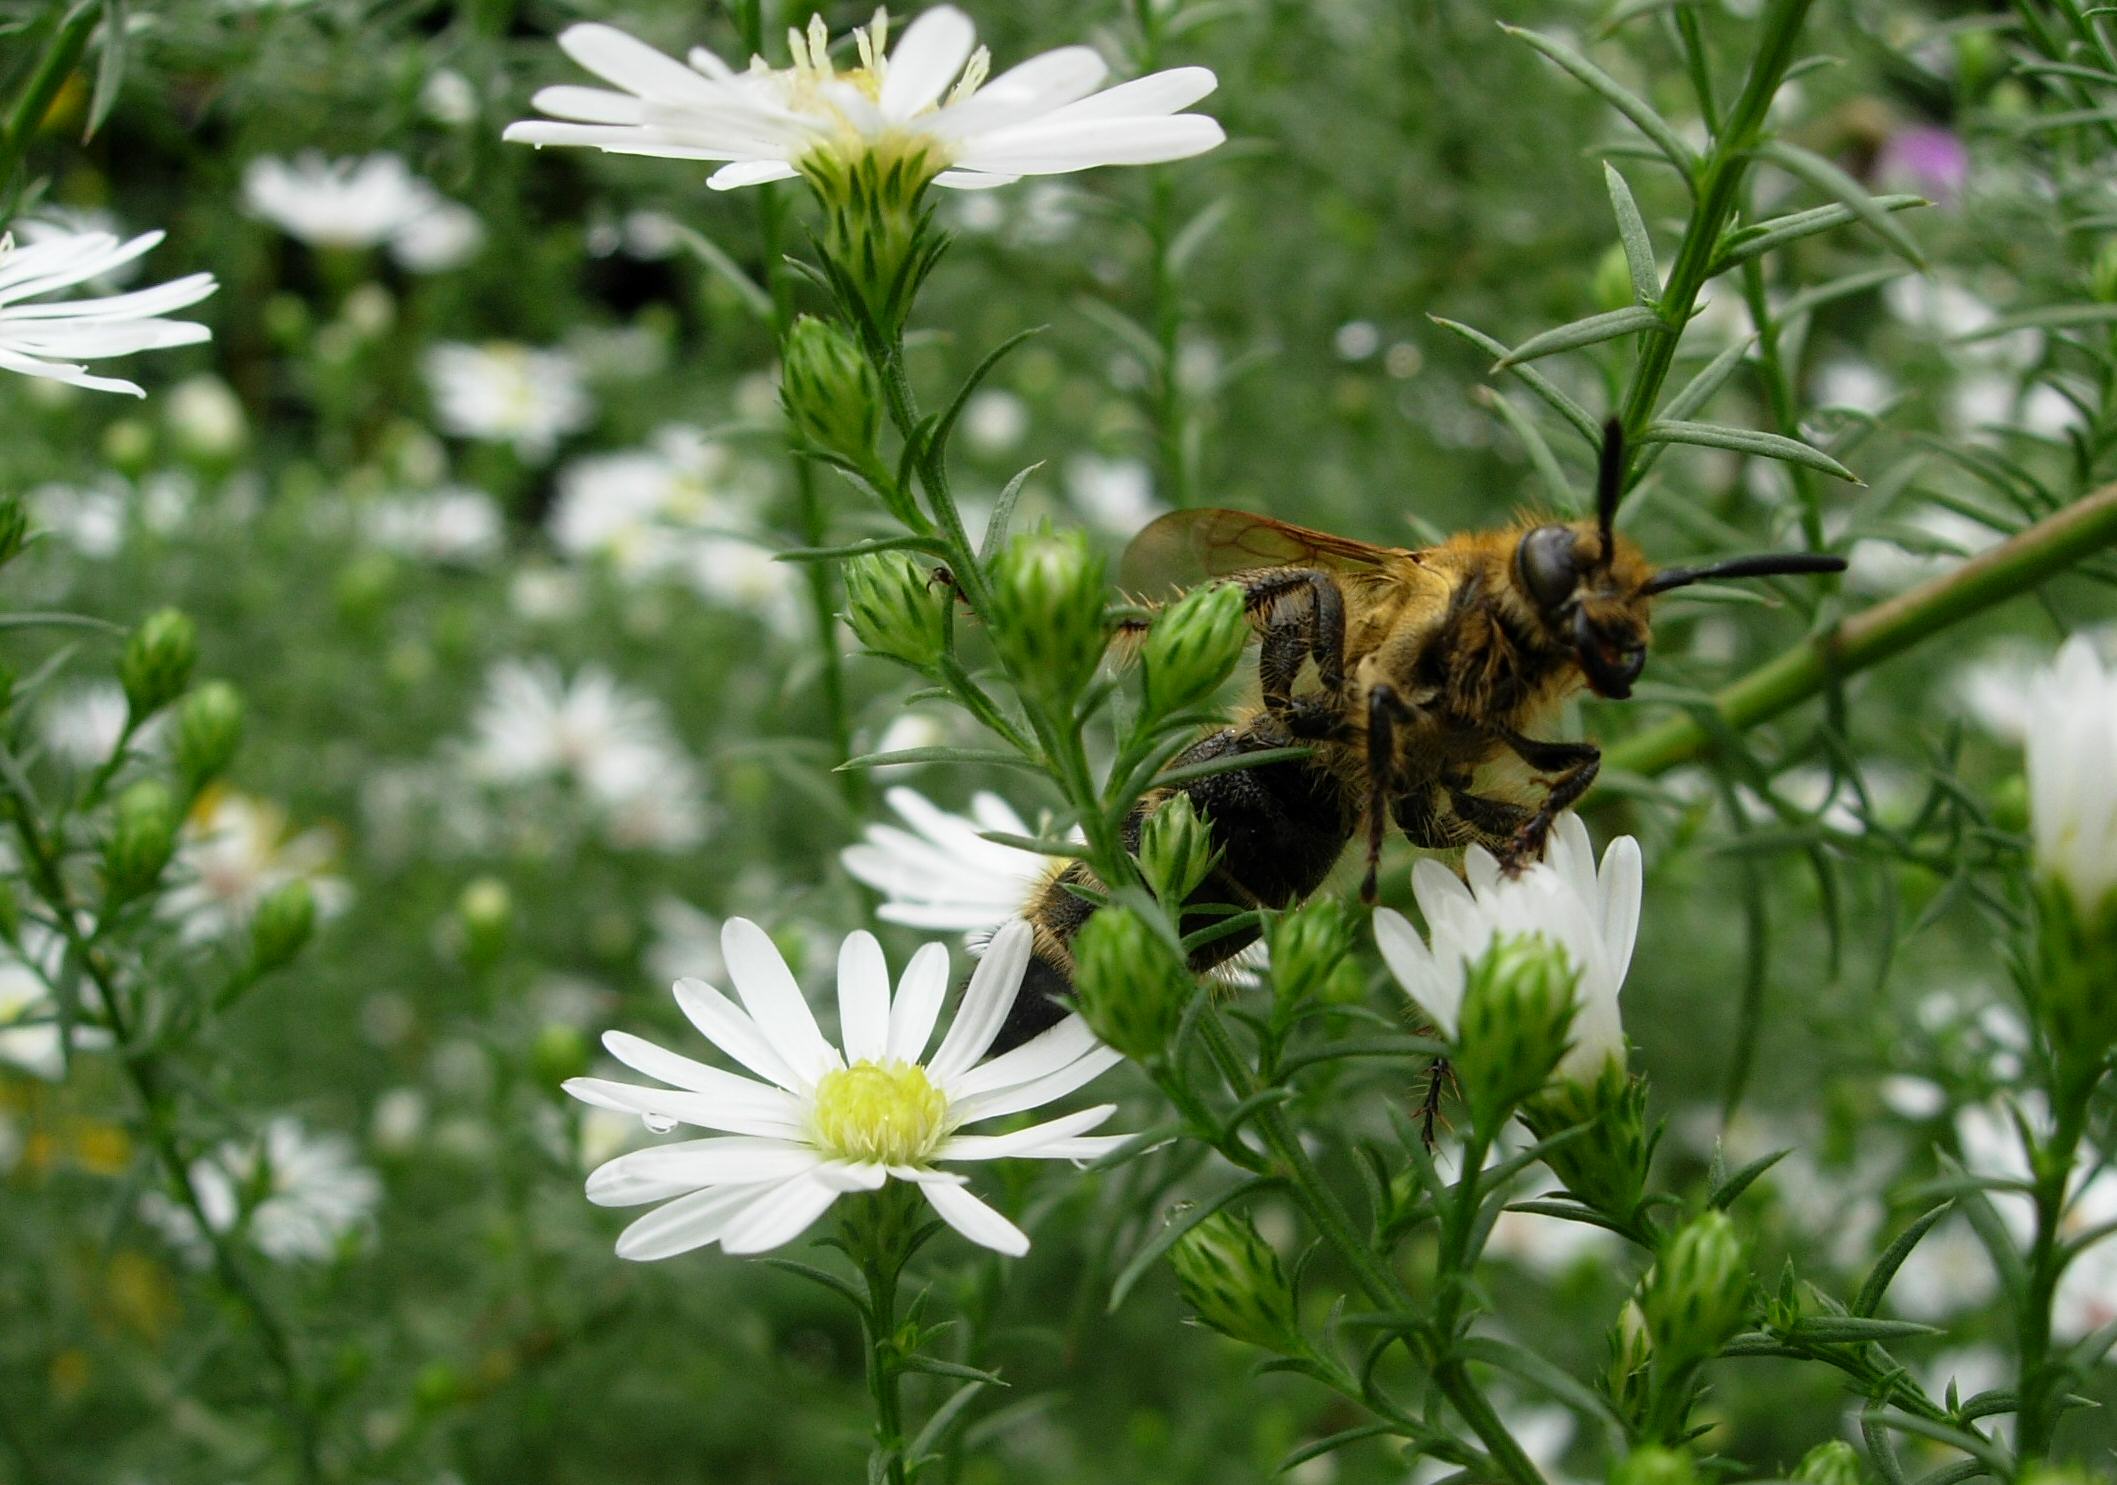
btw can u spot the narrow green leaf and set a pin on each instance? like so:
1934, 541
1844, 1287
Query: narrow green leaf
838, 1285
1197, 232
2050, 317
934, 1366
1699, 390
1069, 850
1535, 380
946, 426
1331, 1442
747, 290
1135, 335
1758, 238
1811, 167
1632, 233
932, 546
1838, 288
110, 68
1730, 1189
1231, 764
1634, 319
944, 1418
1541, 459
1617, 95
1856, 1330
997, 757
28, 620
1747, 441
1003, 512
1538, 1372
1876, 1283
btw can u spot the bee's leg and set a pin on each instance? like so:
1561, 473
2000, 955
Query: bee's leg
1315, 628
1496, 823
1573, 766
1418, 814
1385, 709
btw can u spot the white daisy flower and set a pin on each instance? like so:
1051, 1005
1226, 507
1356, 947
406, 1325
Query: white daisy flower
82, 725
941, 873
454, 525
294, 1194
508, 393
234, 850
51, 338
737, 573
828, 1120
1590, 916
928, 101
352, 204
2072, 731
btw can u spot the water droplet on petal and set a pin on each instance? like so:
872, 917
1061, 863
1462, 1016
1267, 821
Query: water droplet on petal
658, 1123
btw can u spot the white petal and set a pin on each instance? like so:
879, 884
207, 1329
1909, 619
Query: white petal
1046, 1052
687, 1222
680, 1071
926, 61
1025, 91
750, 173
1622, 878
1153, 96
774, 1000
705, 1111
733, 1161
1040, 1091
587, 105
633, 65
973, 180
977, 1221
986, 1002
1052, 147
1080, 1147
1435, 988
918, 1003
780, 1217
614, 139
851, 1175
1019, 1141
75, 376
724, 1024
863, 998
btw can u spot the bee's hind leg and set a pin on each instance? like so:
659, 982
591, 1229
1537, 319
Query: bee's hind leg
1385, 709
1573, 766
1313, 626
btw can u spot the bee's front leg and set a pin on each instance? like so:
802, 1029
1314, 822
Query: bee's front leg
1573, 767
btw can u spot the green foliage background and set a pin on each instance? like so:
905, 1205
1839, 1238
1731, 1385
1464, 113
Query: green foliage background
1389, 160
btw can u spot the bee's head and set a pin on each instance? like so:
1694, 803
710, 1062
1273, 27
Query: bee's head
1592, 587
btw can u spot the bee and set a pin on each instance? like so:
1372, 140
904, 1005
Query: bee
1430, 666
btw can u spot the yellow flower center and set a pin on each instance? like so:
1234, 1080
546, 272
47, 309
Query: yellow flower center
880, 1111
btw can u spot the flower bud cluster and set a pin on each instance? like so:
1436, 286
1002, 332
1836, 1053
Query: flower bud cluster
1518, 1006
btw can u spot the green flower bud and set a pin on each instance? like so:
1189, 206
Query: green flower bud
1229, 1275
1132, 986
1518, 1004
1048, 625
10, 915
2102, 277
14, 529
486, 910
559, 1052
142, 839
1312, 955
1979, 59
157, 662
209, 728
438, 1385
1176, 850
128, 444
1631, 1380
2010, 803
1696, 1294
2070, 986
284, 921
1834, 1463
1192, 646
829, 389
896, 608
1605, 1166
1654, 1465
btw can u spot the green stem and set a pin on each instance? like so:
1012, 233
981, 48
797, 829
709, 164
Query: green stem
1718, 189
35, 100
1376, 1278
877, 1235
1879, 633
143, 1071
2040, 1385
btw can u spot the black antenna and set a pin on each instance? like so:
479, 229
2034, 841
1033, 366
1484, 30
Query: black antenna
1768, 564
1609, 486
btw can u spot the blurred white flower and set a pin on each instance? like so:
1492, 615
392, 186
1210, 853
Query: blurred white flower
1938, 541
91, 519
295, 1195
2072, 739
206, 417
1948, 1273
1115, 495
686, 940
51, 338
362, 203
929, 101
1990, 1140
448, 97
233, 851
995, 421
1859, 385
508, 393
612, 743
83, 724
737, 573
1356, 340
1590, 916
457, 525
625, 507
828, 1121
398, 1120
941, 873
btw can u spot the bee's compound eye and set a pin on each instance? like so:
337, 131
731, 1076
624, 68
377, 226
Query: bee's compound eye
1548, 566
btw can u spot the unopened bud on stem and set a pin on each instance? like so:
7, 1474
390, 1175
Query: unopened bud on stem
896, 608
830, 391
157, 662
1192, 646
1175, 850
1695, 1296
209, 728
1047, 590
142, 839
1229, 1275
1132, 985
1518, 1003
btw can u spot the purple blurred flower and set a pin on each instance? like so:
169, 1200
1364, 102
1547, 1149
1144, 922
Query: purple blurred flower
1924, 158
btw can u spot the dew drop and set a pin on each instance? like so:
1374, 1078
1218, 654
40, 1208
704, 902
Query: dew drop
658, 1123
